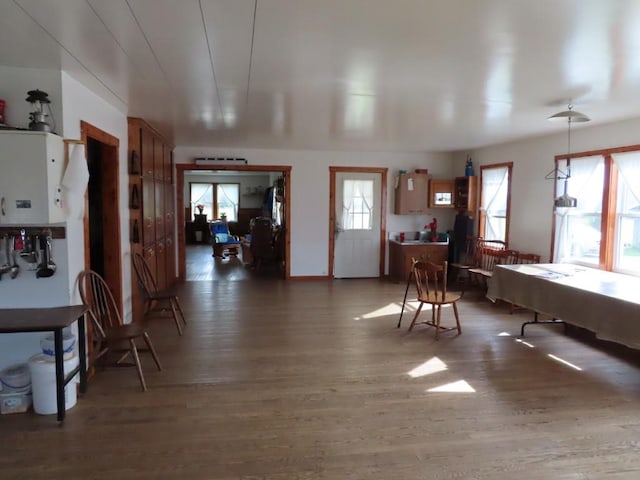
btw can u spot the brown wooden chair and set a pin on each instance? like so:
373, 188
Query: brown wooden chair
431, 285
157, 301
110, 334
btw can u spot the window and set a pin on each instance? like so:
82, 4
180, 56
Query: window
357, 204
495, 195
604, 229
217, 199
578, 229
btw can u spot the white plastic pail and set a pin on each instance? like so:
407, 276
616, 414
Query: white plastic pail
43, 384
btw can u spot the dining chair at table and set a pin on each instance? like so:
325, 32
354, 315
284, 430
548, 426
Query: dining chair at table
110, 335
156, 301
431, 285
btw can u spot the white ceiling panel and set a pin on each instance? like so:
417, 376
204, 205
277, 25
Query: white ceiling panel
405, 75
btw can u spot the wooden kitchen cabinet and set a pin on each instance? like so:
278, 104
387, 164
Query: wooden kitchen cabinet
441, 193
155, 219
412, 194
466, 193
400, 257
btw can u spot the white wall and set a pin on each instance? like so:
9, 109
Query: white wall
310, 193
80, 104
71, 103
531, 194
14, 85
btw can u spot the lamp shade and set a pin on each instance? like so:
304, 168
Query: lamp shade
569, 116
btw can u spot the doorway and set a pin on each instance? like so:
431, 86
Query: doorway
357, 222
185, 214
102, 214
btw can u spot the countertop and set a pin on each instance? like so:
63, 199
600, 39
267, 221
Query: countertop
416, 242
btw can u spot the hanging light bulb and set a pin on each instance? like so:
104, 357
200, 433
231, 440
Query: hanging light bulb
571, 116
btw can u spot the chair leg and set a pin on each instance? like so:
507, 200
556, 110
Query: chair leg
455, 312
136, 359
175, 316
415, 317
437, 323
179, 307
147, 340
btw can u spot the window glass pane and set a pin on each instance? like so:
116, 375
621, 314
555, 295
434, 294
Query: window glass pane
228, 197
357, 204
202, 194
495, 193
627, 238
578, 229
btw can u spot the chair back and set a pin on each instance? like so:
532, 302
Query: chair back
220, 232
431, 280
508, 257
95, 294
145, 278
528, 258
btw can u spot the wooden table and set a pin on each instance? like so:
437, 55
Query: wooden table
53, 319
605, 303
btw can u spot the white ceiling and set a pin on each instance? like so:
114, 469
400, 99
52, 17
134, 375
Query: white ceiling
404, 75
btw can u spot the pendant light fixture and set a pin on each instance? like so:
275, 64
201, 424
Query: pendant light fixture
571, 116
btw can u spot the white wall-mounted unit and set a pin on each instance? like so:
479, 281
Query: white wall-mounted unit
31, 167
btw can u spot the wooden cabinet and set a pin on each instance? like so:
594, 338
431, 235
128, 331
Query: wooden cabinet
155, 217
412, 194
465, 193
400, 257
441, 193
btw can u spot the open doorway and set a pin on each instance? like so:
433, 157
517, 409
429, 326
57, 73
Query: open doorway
102, 215
204, 195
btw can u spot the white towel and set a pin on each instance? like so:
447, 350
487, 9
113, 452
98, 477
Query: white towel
74, 182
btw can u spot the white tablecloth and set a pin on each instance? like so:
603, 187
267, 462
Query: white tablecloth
606, 303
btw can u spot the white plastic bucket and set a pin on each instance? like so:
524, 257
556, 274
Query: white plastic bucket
43, 384
15, 378
48, 346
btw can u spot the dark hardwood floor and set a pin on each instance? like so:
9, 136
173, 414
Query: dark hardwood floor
201, 265
280, 380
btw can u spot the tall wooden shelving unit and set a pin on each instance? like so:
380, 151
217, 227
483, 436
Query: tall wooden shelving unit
152, 217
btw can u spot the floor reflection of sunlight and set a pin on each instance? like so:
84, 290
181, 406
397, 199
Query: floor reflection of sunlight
564, 362
392, 309
504, 334
551, 355
427, 368
461, 386
519, 340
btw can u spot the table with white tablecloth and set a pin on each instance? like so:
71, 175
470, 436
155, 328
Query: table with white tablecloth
605, 303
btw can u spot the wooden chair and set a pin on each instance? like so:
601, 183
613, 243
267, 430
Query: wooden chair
157, 301
223, 240
110, 334
488, 253
431, 285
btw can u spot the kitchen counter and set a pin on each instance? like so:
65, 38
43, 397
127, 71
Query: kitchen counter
416, 242
401, 255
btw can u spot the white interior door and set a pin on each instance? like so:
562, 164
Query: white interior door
357, 231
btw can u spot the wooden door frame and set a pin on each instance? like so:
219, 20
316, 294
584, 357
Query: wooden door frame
111, 212
180, 225
383, 211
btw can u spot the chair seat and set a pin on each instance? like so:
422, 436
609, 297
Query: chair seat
481, 271
126, 331
436, 298
226, 239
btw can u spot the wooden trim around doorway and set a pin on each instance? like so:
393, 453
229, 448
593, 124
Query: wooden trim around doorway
111, 211
180, 206
383, 211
